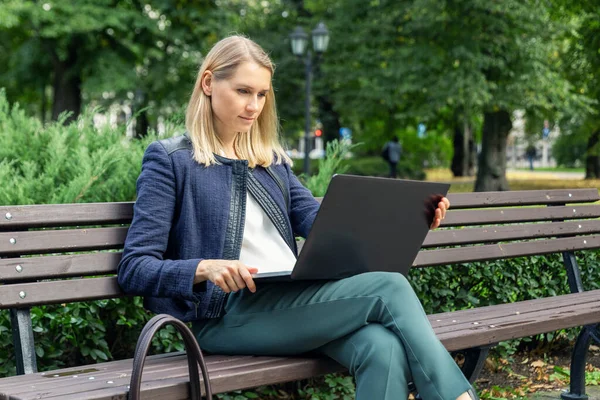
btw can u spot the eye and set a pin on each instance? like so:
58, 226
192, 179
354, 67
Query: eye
242, 91
262, 94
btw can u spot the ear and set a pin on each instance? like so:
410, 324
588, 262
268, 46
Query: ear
206, 82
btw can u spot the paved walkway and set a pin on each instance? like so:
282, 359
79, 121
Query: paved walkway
527, 174
592, 391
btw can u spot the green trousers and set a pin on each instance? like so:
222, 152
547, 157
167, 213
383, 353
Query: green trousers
371, 323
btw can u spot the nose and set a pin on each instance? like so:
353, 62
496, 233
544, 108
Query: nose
252, 104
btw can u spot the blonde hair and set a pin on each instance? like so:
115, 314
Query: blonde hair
260, 145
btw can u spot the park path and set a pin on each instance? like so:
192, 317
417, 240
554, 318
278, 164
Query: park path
526, 174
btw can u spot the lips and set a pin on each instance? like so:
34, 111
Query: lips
247, 119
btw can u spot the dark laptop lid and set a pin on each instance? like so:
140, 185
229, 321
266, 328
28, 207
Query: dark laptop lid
368, 224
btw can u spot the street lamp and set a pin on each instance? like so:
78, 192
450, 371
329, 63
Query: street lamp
299, 39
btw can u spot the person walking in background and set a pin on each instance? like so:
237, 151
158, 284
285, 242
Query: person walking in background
530, 153
391, 153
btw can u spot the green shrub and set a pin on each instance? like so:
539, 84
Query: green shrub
570, 150
65, 164
71, 164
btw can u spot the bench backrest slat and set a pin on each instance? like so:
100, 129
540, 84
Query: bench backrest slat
512, 215
65, 291
522, 198
37, 255
65, 266
63, 240
38, 216
451, 237
506, 250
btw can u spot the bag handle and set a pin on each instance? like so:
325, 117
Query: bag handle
194, 357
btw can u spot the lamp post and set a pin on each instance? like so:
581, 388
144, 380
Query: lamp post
299, 39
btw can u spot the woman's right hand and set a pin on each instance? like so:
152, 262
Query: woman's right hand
229, 275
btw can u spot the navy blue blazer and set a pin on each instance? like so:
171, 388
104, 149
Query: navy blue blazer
186, 212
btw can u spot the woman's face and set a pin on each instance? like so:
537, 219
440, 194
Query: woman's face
238, 101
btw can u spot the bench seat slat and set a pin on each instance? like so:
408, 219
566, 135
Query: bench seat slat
254, 372
508, 250
107, 370
55, 215
58, 266
483, 314
566, 311
512, 215
453, 237
64, 240
495, 315
522, 198
165, 367
517, 325
58, 292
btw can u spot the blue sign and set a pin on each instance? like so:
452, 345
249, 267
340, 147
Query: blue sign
346, 133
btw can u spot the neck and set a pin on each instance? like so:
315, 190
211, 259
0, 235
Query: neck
228, 145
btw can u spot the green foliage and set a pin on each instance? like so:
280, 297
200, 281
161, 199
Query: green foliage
136, 53
65, 164
564, 375
569, 150
72, 164
331, 164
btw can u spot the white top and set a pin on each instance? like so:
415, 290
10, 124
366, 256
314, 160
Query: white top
262, 245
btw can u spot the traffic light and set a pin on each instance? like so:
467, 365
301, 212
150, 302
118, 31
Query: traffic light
318, 132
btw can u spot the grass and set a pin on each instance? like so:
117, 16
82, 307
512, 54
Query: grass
517, 180
554, 169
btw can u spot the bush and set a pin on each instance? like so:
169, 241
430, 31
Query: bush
72, 164
56, 164
570, 150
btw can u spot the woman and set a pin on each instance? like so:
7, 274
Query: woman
219, 205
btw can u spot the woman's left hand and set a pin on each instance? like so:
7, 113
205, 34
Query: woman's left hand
440, 212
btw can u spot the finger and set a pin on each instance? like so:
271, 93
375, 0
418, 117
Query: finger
246, 274
220, 282
439, 214
230, 282
442, 208
239, 281
435, 223
445, 200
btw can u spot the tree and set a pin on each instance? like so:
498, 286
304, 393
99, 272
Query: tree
582, 68
108, 51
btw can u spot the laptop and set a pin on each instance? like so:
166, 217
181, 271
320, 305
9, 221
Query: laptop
365, 224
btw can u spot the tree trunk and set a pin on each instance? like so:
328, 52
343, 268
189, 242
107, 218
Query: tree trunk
67, 85
491, 174
462, 161
592, 160
142, 124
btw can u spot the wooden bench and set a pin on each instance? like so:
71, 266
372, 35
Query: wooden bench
493, 226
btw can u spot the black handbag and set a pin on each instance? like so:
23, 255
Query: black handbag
194, 357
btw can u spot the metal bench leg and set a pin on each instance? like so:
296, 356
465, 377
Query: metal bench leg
578, 362
20, 321
474, 361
